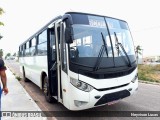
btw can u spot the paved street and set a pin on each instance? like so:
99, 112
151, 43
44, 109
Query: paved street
147, 99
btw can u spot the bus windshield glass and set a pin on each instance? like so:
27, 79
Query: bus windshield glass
88, 42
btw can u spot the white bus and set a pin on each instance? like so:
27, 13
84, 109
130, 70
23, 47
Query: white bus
81, 60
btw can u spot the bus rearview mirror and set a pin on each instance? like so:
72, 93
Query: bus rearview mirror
68, 35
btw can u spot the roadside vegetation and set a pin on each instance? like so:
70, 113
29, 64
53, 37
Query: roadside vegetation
149, 73
18, 78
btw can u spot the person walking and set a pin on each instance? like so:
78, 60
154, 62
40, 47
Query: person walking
3, 78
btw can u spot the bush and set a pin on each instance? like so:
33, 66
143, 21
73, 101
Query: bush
149, 73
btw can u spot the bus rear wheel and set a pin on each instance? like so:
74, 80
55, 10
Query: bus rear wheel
46, 91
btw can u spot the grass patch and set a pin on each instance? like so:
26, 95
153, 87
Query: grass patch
18, 78
149, 73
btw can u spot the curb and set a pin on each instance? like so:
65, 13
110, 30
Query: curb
147, 82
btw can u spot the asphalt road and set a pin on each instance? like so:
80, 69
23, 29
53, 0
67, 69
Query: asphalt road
147, 99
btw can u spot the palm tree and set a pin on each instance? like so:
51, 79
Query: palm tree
138, 51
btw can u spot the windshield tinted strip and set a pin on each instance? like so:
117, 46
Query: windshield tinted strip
106, 75
80, 19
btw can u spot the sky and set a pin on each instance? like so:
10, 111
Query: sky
22, 18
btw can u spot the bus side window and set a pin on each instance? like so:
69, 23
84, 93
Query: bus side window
20, 52
53, 43
33, 47
24, 50
42, 44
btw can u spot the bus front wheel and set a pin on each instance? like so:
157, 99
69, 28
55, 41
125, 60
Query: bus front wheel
46, 91
24, 76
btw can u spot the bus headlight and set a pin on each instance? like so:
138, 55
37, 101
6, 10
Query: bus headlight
81, 85
135, 78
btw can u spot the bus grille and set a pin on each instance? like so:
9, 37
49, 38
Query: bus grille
112, 97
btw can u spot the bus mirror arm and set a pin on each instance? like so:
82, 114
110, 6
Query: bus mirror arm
54, 67
69, 18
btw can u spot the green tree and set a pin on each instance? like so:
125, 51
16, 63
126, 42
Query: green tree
1, 53
14, 54
1, 12
7, 55
1, 23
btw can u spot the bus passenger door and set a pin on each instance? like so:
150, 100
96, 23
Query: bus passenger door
52, 63
64, 91
57, 36
62, 75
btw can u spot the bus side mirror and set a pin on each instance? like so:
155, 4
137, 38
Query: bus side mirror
68, 35
69, 30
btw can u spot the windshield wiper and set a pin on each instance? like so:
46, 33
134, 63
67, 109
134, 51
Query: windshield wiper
101, 52
120, 44
105, 44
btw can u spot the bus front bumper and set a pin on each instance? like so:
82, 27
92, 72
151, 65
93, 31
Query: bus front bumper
80, 100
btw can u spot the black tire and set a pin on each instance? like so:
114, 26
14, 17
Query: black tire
46, 91
24, 76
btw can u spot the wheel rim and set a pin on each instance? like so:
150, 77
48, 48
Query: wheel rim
45, 90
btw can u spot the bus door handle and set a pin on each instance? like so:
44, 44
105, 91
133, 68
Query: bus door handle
54, 67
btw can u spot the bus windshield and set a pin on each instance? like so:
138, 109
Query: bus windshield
88, 42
